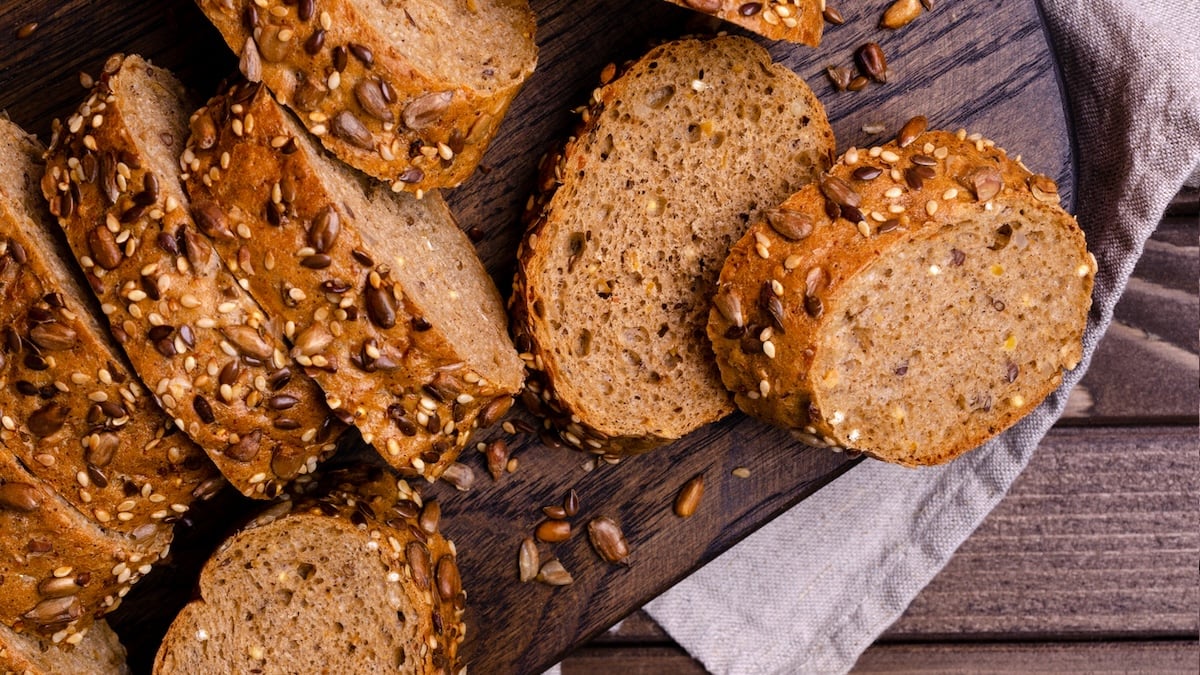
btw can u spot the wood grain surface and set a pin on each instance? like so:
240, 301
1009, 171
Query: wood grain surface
982, 64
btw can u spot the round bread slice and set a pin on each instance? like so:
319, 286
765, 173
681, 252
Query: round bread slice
918, 300
355, 581
410, 92
98, 652
631, 223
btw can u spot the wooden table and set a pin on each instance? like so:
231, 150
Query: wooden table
1090, 562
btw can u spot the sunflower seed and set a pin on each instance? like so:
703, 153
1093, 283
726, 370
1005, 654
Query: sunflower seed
706, 6
839, 76
986, 182
553, 531
554, 574
528, 560
688, 499
48, 419
105, 250
381, 306
833, 16
418, 560
349, 128
911, 129
247, 341
900, 14
53, 336
423, 111
730, 307
326, 227
370, 96
791, 225
448, 581
431, 514
839, 192
608, 540
461, 476
211, 220
497, 457
1044, 189
21, 497
55, 610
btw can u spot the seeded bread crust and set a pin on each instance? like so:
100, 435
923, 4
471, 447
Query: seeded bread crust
70, 409
586, 403
362, 88
213, 359
59, 571
945, 233
792, 20
98, 652
381, 352
363, 523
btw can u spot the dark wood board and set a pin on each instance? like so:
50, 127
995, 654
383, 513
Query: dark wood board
982, 64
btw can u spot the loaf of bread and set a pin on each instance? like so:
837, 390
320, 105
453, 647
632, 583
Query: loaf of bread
629, 228
918, 300
215, 361
356, 580
792, 20
99, 652
410, 93
383, 298
71, 410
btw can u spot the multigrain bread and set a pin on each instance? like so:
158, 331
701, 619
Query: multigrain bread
98, 653
629, 228
919, 300
410, 93
58, 570
383, 297
356, 580
792, 20
213, 359
70, 409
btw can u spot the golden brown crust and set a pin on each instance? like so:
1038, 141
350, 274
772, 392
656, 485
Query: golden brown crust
792, 20
390, 520
58, 572
441, 151
214, 361
570, 423
767, 339
386, 369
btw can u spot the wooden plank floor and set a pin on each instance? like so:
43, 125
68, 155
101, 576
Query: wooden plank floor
1090, 562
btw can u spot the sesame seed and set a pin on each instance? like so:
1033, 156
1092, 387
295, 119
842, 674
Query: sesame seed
851, 156
792, 262
931, 207
875, 151
764, 388
741, 472
863, 228
934, 270
226, 307
762, 251
777, 287
769, 349
1083, 270
950, 194
895, 208
1017, 400
893, 192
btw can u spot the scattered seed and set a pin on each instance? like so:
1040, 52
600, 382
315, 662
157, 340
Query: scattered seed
554, 574
840, 77
857, 84
497, 457
871, 60
528, 560
571, 503
552, 531
688, 499
27, 31
900, 14
833, 16
608, 540
986, 181
741, 472
461, 476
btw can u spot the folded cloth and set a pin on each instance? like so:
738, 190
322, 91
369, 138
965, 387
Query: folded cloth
874, 537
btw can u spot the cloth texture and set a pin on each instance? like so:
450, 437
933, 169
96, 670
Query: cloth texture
873, 538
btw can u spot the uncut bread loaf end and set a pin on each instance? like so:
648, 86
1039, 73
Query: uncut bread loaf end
919, 299
216, 362
355, 578
410, 93
633, 218
382, 295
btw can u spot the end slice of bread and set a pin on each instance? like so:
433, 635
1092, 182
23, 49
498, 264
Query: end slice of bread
410, 93
98, 652
919, 299
347, 582
634, 217
792, 20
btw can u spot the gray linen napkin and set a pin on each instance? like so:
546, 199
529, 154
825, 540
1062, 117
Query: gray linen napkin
814, 588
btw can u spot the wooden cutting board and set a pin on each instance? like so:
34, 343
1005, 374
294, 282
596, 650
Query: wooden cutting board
981, 64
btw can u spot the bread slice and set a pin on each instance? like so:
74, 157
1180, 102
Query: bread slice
58, 570
383, 298
633, 219
792, 20
347, 582
410, 93
70, 408
215, 361
99, 652
939, 304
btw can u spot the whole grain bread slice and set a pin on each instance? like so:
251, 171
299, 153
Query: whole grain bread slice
938, 305
792, 20
630, 226
383, 297
70, 407
354, 579
98, 652
216, 362
410, 93
58, 570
